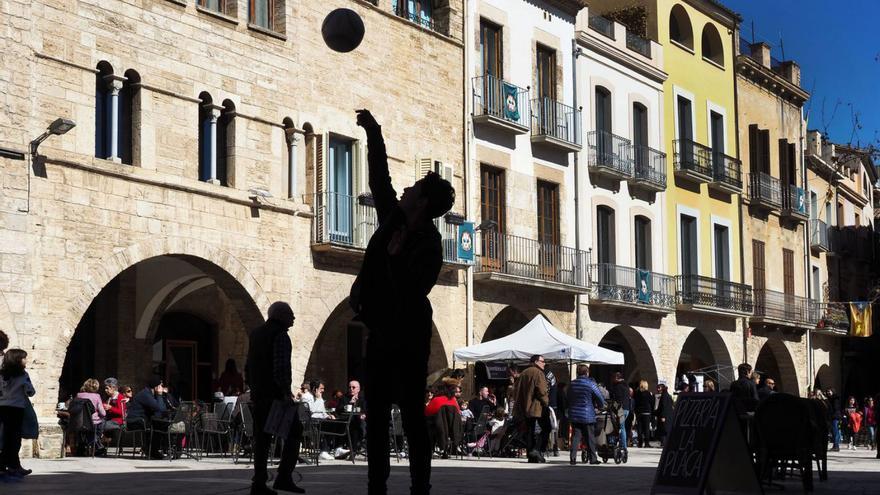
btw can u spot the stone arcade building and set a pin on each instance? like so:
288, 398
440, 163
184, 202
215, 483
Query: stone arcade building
215, 167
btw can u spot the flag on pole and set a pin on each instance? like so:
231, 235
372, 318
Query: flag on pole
860, 319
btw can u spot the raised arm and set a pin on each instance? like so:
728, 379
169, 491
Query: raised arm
384, 195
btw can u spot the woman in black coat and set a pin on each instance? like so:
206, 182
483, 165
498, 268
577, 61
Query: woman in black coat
643, 408
663, 413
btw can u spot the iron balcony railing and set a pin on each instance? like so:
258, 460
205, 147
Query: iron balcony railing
350, 222
649, 165
631, 285
602, 25
784, 307
794, 200
609, 151
830, 317
522, 257
726, 170
557, 120
410, 11
638, 44
500, 99
714, 293
691, 156
765, 188
819, 235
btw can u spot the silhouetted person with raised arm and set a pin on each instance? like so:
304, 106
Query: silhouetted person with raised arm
390, 296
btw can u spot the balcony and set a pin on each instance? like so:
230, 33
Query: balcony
423, 19
727, 174
649, 169
638, 44
499, 104
712, 295
344, 225
602, 25
693, 161
794, 203
773, 307
830, 318
608, 155
631, 288
509, 259
765, 191
555, 124
820, 241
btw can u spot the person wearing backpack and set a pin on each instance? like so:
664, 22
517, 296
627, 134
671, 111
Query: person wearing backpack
15, 388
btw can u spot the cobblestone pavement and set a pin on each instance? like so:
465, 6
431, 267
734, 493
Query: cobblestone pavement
850, 472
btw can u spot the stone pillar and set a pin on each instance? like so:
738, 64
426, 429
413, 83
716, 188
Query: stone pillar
115, 84
292, 140
212, 143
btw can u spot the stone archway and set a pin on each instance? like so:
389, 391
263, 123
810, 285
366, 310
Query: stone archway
824, 379
639, 361
339, 350
704, 350
774, 360
507, 321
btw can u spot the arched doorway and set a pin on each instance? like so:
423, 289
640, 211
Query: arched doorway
824, 379
705, 355
177, 316
339, 353
637, 357
507, 321
775, 361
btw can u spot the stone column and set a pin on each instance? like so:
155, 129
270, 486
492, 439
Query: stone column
212, 144
114, 83
292, 140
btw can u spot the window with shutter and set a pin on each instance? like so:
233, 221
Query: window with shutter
759, 276
788, 271
754, 166
492, 208
764, 137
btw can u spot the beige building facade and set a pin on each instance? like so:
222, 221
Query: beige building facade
215, 167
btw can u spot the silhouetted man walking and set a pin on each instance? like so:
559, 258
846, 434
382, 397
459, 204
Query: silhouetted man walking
390, 295
268, 374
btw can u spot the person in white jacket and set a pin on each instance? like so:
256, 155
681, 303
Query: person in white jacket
15, 388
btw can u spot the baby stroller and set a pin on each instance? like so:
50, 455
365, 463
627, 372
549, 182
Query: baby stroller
608, 435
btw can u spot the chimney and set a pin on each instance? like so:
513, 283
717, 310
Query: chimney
760, 51
814, 143
792, 72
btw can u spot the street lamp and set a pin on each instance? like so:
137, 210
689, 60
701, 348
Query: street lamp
58, 127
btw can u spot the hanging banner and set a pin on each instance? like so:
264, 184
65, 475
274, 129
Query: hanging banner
644, 286
860, 319
511, 103
466, 242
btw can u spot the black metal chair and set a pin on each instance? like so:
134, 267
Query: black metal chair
396, 434
211, 427
137, 436
245, 433
338, 428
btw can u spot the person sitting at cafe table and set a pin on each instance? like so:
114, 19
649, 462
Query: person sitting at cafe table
353, 403
147, 404
114, 406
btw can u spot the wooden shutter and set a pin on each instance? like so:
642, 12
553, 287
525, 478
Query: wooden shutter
792, 163
783, 161
788, 271
765, 150
754, 166
759, 272
320, 164
361, 177
423, 166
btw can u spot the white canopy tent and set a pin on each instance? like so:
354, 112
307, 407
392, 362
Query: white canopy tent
538, 337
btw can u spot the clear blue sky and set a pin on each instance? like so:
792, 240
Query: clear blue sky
837, 46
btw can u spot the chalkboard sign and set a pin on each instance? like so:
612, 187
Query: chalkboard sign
705, 450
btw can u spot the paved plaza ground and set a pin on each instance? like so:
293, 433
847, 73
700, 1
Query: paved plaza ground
849, 473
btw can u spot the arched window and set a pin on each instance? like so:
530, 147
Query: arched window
680, 29
207, 136
130, 118
712, 48
103, 114
226, 144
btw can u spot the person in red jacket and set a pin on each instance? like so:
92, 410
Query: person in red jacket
447, 398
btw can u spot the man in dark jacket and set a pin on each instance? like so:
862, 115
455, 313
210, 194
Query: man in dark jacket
582, 393
142, 408
745, 394
530, 403
835, 416
268, 374
619, 392
663, 412
390, 296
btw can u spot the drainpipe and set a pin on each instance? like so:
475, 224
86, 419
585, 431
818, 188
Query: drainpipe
466, 152
808, 271
575, 52
739, 202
